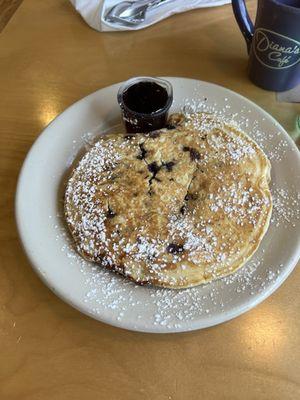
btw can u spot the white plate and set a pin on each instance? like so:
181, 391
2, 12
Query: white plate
112, 299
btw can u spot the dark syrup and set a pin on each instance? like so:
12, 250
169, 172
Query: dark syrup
145, 97
146, 107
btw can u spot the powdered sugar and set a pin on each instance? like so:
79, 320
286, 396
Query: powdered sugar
173, 310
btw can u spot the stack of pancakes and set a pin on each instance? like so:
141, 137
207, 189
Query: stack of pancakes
173, 208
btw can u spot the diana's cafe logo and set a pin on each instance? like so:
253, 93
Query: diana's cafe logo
274, 50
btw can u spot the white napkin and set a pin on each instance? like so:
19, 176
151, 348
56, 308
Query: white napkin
93, 12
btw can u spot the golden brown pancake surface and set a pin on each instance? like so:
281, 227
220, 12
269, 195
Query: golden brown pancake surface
174, 208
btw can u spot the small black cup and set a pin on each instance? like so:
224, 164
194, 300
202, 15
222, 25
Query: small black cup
145, 102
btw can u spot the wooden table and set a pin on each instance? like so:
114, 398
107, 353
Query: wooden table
50, 58
7, 10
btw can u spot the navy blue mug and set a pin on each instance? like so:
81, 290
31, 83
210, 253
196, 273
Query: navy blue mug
273, 43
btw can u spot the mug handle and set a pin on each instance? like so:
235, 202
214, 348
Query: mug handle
244, 22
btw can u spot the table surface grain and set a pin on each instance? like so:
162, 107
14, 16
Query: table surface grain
7, 9
49, 58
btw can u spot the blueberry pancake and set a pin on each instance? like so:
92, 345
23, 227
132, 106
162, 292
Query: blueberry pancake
174, 208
